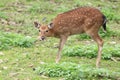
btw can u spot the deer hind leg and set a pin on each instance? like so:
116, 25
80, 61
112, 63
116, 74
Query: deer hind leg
100, 42
63, 39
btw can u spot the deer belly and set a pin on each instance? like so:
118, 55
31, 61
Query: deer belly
76, 30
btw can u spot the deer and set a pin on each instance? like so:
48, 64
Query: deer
76, 21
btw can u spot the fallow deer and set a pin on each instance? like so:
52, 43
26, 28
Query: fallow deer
80, 20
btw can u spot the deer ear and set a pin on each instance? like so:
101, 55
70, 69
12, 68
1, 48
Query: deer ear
37, 25
50, 26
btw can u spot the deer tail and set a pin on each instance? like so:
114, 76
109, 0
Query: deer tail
104, 23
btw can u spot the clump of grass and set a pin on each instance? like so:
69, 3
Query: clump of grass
3, 15
73, 71
8, 40
55, 70
91, 51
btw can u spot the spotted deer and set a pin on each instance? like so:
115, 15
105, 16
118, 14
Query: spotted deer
77, 21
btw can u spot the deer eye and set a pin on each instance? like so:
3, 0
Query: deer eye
39, 30
46, 30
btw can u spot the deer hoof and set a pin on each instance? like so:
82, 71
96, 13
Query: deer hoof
57, 60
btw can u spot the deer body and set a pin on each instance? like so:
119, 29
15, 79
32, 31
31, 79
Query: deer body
81, 20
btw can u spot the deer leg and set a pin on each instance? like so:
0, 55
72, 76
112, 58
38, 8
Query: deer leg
100, 45
61, 44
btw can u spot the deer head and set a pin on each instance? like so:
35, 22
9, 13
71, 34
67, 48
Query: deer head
44, 30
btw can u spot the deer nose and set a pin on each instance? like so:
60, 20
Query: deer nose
42, 37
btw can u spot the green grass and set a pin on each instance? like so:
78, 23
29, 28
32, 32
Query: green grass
20, 53
9, 40
3, 15
72, 71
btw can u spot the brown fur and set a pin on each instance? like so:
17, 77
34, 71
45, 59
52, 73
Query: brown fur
81, 20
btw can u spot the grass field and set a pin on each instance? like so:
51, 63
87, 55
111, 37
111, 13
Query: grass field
23, 57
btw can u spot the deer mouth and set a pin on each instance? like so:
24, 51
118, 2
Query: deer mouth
41, 38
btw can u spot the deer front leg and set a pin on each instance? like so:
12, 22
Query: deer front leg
63, 39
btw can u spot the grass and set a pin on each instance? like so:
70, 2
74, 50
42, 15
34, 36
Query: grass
16, 23
90, 51
72, 71
9, 40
